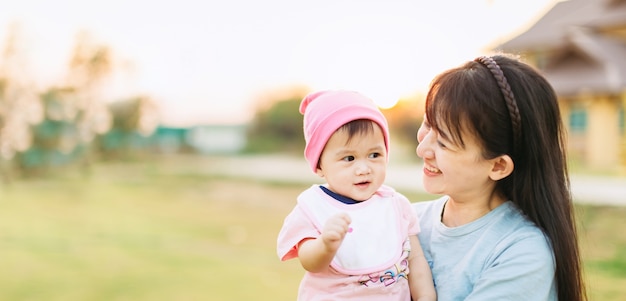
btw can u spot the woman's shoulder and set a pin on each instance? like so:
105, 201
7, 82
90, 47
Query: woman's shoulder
517, 221
516, 229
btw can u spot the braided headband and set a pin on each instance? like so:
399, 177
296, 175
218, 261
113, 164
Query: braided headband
511, 104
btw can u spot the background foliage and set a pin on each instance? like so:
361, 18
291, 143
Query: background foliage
277, 126
44, 131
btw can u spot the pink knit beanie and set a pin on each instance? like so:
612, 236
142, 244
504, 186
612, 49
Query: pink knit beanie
326, 111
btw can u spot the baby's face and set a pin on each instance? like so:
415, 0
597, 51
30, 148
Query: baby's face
355, 167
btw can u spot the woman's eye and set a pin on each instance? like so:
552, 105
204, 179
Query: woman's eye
348, 158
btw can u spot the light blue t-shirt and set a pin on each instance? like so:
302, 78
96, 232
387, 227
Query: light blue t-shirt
500, 256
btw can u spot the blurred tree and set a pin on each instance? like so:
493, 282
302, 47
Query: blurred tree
404, 119
54, 139
277, 124
90, 68
74, 113
134, 120
20, 107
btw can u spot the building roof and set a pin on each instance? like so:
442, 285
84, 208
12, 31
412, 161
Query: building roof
579, 56
614, 13
551, 29
590, 63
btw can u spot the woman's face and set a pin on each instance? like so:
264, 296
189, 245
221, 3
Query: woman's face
451, 169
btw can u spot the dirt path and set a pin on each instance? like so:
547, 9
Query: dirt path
407, 176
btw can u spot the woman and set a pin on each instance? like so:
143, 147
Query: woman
492, 143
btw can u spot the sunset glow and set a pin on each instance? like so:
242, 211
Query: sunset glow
205, 61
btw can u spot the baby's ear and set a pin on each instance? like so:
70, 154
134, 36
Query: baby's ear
502, 167
319, 172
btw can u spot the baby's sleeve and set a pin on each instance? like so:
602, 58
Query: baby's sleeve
408, 215
296, 227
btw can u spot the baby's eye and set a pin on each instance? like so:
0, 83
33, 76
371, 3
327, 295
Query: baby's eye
374, 155
441, 144
348, 158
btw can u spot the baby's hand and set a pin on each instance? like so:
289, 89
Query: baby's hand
335, 230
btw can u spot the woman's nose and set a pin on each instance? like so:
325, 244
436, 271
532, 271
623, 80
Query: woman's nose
424, 149
421, 132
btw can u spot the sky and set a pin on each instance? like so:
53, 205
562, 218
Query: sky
207, 62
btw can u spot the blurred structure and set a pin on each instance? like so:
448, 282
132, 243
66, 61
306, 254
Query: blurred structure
580, 45
200, 139
217, 139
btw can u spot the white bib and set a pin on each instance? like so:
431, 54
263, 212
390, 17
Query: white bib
376, 238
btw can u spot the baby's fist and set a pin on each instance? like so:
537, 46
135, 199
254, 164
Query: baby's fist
335, 230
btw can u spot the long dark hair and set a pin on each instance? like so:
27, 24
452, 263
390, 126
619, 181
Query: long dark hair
512, 109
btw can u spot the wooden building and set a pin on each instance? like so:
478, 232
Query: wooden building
580, 46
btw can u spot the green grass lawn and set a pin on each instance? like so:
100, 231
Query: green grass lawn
145, 232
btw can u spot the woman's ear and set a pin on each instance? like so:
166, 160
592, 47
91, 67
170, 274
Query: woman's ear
502, 167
